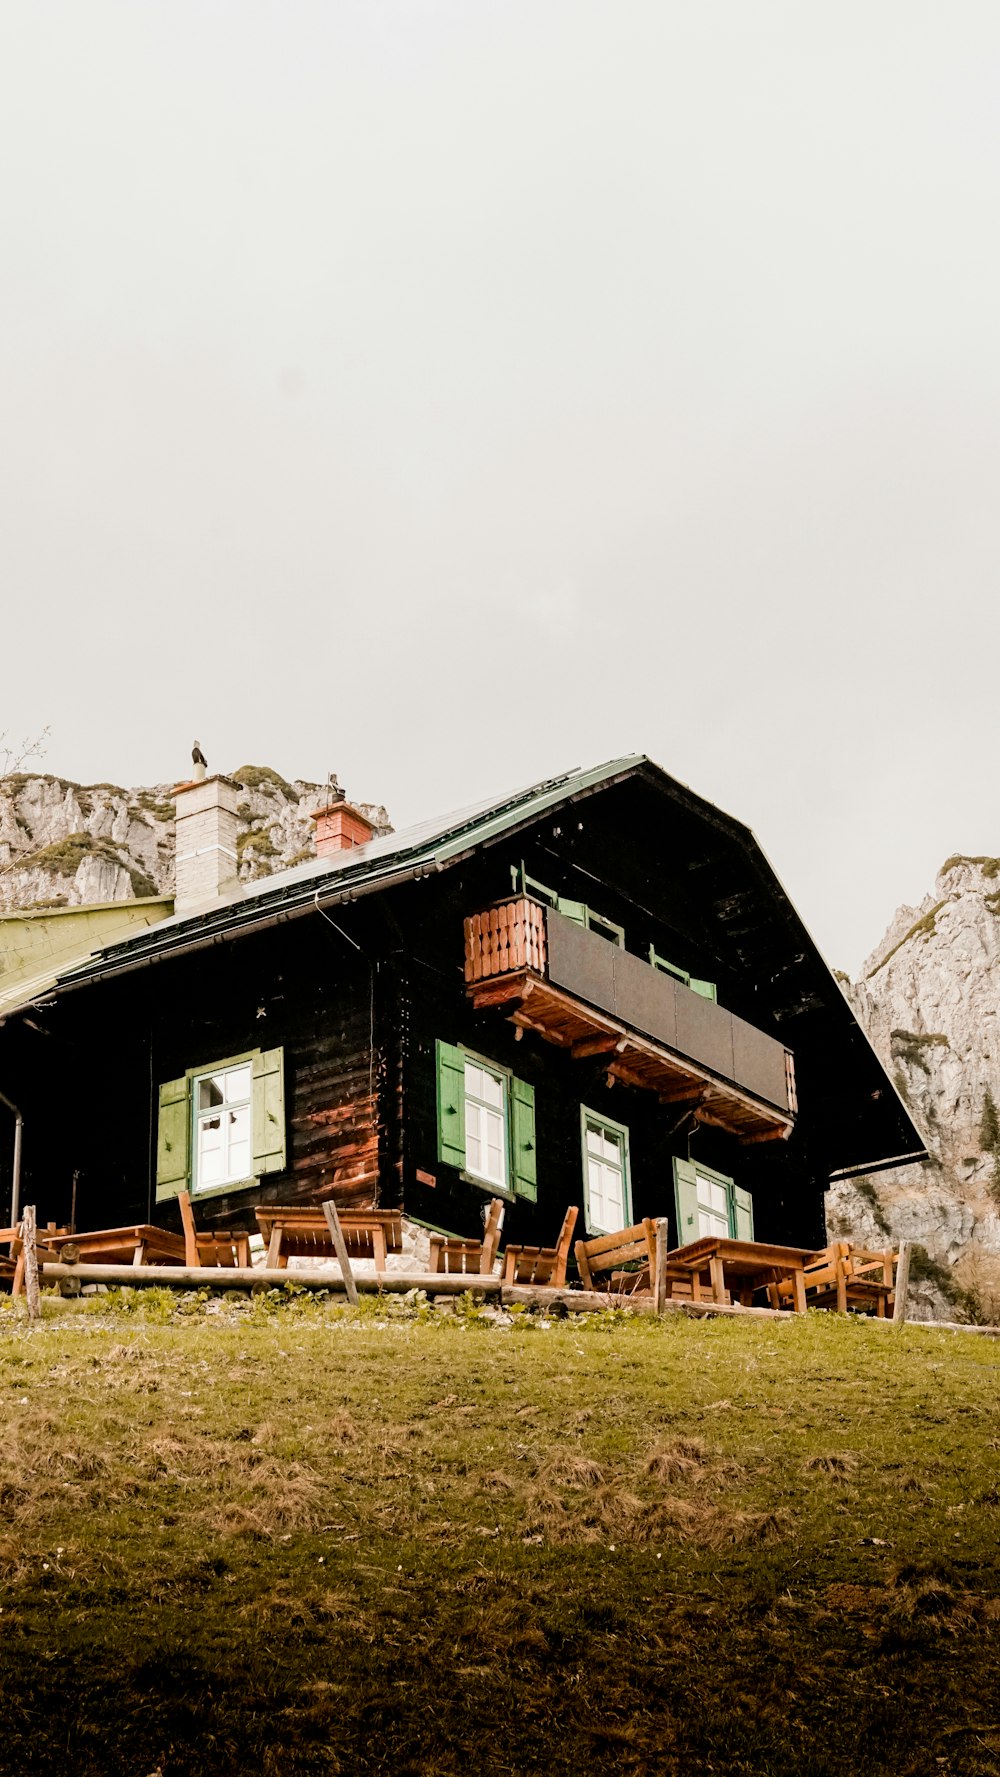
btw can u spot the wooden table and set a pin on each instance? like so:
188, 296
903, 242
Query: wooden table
748, 1264
141, 1244
299, 1231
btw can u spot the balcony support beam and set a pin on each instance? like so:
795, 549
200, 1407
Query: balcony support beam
581, 1030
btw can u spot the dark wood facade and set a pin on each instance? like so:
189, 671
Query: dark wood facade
358, 996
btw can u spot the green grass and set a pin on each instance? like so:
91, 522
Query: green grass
283, 1540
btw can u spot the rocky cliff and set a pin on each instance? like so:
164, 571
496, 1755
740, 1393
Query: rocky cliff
63, 844
929, 999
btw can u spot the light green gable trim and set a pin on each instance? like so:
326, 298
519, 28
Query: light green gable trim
38, 943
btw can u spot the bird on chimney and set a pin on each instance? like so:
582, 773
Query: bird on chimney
197, 756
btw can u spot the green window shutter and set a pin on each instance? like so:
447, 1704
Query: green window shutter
268, 1112
173, 1139
523, 1140
743, 1213
705, 988
450, 1104
686, 1201
574, 910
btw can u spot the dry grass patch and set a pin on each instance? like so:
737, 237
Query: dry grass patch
676, 1461
566, 1469
835, 1463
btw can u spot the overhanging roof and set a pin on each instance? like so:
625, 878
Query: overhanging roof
868, 1125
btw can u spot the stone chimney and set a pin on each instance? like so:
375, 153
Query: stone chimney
339, 827
207, 862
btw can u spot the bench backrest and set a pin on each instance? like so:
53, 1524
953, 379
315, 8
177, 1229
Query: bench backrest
609, 1251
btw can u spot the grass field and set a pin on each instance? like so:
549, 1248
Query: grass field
294, 1539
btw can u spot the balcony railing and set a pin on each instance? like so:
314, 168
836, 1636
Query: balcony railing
592, 998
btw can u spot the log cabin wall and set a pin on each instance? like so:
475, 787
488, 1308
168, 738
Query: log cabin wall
358, 1028
432, 1005
101, 1054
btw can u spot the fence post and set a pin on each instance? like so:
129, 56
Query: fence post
28, 1231
340, 1247
660, 1275
902, 1284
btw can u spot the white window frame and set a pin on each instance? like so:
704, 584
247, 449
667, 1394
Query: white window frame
608, 1127
198, 1117
724, 1182
502, 1187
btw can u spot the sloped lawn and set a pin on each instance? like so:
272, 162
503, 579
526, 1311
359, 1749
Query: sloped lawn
282, 1538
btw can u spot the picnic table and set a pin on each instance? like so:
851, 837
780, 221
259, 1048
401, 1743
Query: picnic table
742, 1267
300, 1231
141, 1244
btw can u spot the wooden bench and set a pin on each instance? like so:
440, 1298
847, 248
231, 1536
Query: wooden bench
610, 1252
542, 1264
207, 1247
12, 1267
843, 1276
300, 1231
473, 1257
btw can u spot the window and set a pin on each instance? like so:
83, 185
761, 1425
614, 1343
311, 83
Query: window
486, 1123
606, 1187
709, 1203
221, 1126
706, 989
577, 911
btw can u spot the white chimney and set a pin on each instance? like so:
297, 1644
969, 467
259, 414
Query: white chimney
207, 862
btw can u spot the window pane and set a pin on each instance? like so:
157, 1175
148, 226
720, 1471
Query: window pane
473, 1138
473, 1080
494, 1137
211, 1091
239, 1160
211, 1133
238, 1085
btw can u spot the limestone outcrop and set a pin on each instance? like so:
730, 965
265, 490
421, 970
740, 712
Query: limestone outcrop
64, 844
929, 999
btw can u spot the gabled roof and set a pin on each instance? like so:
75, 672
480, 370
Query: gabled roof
867, 1123
395, 857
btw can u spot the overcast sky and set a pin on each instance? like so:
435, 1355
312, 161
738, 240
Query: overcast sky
445, 392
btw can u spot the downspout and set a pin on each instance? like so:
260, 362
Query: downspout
15, 1190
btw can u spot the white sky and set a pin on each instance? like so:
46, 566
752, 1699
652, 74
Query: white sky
443, 392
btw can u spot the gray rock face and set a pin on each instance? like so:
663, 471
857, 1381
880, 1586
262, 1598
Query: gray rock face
929, 999
64, 844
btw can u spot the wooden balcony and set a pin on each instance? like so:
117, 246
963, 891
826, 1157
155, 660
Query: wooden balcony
588, 996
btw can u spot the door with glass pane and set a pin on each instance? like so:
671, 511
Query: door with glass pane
486, 1124
222, 1126
605, 1169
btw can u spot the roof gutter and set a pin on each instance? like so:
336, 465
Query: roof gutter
262, 923
448, 852
851, 1172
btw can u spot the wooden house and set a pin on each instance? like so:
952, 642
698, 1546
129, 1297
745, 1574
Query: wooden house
593, 991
